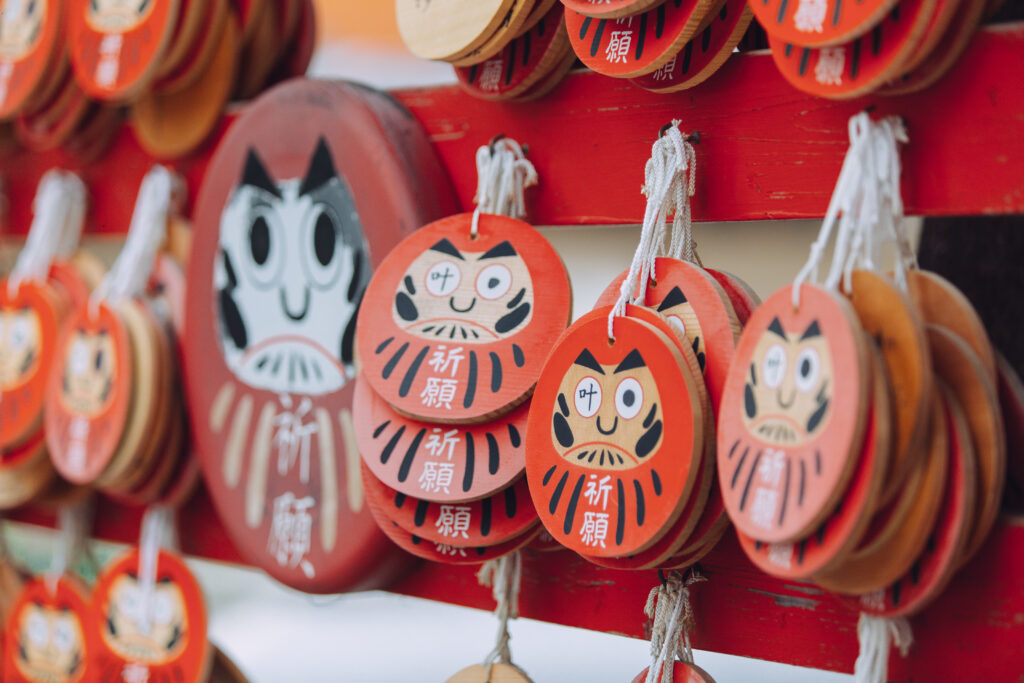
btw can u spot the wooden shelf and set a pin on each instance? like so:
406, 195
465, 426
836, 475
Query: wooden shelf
766, 151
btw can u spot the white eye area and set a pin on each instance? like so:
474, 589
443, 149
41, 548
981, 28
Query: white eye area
21, 333
38, 630
629, 398
808, 365
677, 322
774, 368
129, 603
443, 278
163, 609
64, 635
493, 281
263, 248
78, 358
321, 240
587, 397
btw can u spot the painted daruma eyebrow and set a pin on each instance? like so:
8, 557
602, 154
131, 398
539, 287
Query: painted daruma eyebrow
812, 331
499, 250
255, 175
776, 327
674, 298
446, 247
587, 360
632, 360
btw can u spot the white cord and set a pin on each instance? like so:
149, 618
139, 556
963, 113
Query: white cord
669, 181
157, 532
503, 174
160, 197
504, 576
876, 634
57, 221
73, 523
668, 606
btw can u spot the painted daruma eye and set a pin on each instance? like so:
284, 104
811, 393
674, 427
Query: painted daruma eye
20, 334
807, 366
443, 278
774, 366
493, 281
163, 610
264, 251
79, 357
629, 398
587, 397
64, 635
322, 243
38, 630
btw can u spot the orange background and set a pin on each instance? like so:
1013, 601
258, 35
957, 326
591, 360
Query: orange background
371, 20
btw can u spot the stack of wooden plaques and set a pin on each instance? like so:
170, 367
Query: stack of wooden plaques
501, 49
662, 45
448, 367
114, 416
842, 50
177, 63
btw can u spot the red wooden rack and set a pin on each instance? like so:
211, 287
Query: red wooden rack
766, 152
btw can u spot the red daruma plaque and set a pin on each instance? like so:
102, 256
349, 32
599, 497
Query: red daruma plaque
289, 224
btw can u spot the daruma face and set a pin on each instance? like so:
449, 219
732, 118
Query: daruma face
289, 277
788, 389
118, 15
676, 308
50, 644
154, 638
469, 297
20, 337
20, 24
608, 417
90, 369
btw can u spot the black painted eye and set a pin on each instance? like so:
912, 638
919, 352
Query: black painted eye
259, 240
808, 364
629, 398
99, 359
324, 238
31, 8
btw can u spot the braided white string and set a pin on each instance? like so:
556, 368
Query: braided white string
668, 605
57, 221
503, 174
157, 532
73, 523
160, 197
669, 182
875, 635
504, 576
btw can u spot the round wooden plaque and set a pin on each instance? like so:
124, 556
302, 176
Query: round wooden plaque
889, 318
858, 66
117, 46
1011, 402
507, 30
820, 23
489, 521
165, 639
610, 9
49, 636
468, 319
705, 53
29, 322
499, 673
288, 225
633, 46
540, 10
931, 572
614, 438
834, 540
186, 78
30, 49
742, 296
791, 423
682, 672
448, 29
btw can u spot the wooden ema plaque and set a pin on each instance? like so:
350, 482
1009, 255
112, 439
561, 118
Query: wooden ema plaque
117, 46
522, 64
448, 29
288, 225
633, 46
682, 672
820, 23
934, 568
29, 321
488, 521
164, 639
89, 393
792, 417
446, 464
49, 634
508, 29
610, 9
743, 298
703, 54
30, 51
1011, 402
838, 536
497, 673
861, 65
615, 436
467, 321
445, 553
